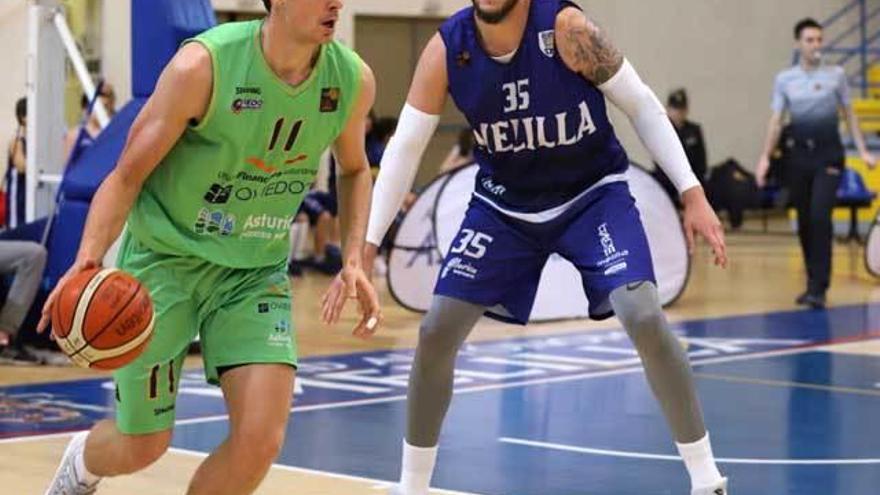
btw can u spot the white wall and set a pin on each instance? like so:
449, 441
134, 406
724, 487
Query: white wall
13, 39
725, 52
116, 47
403, 8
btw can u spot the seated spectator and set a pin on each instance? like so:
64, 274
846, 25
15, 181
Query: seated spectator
89, 121
319, 209
318, 215
377, 139
373, 146
16, 170
26, 262
691, 136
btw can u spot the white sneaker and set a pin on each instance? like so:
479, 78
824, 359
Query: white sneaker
717, 489
66, 481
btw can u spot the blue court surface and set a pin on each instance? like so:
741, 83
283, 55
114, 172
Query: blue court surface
569, 414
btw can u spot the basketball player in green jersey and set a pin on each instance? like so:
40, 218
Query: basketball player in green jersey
214, 170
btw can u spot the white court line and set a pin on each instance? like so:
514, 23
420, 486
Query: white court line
500, 386
659, 457
377, 484
34, 438
524, 383
582, 376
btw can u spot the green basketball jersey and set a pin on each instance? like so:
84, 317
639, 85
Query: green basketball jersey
229, 189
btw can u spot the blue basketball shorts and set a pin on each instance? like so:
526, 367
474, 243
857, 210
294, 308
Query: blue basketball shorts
496, 260
316, 203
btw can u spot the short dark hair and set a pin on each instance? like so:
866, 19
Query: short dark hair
21, 110
268, 4
808, 23
678, 99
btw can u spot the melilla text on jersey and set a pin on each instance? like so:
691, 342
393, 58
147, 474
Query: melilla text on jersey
533, 132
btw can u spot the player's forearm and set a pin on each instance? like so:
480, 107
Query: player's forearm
400, 164
107, 215
355, 189
856, 131
647, 115
774, 130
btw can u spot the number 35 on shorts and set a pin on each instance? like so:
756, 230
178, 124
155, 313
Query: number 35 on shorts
471, 244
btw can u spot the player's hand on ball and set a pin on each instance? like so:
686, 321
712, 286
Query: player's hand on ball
700, 218
352, 283
78, 267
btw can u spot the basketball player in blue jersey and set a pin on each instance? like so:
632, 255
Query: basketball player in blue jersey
531, 77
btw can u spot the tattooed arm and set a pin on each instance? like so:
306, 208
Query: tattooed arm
585, 49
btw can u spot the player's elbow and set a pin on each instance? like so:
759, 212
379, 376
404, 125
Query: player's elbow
354, 168
632, 96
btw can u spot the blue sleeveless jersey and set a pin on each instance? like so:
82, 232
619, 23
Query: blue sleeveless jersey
542, 131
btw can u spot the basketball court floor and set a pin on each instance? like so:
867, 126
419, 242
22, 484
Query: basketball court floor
791, 396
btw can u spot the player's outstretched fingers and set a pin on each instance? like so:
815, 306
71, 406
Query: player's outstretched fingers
719, 246
368, 303
343, 288
332, 298
46, 314
368, 326
689, 233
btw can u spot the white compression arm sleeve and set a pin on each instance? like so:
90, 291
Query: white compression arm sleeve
398, 169
628, 93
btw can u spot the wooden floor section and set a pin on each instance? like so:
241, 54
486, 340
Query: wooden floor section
765, 275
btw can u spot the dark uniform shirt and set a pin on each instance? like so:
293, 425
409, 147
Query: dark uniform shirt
691, 137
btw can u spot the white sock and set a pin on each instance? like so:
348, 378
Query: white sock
82, 474
700, 462
417, 469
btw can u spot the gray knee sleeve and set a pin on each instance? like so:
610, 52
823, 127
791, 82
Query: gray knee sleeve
443, 330
666, 364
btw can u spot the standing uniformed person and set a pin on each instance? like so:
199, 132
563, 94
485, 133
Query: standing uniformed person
811, 94
691, 136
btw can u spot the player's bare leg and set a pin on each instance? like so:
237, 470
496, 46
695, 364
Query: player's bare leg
109, 452
258, 399
104, 452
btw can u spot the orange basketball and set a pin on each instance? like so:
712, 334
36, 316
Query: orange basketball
103, 318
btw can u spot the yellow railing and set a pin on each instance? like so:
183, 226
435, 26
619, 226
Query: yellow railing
868, 112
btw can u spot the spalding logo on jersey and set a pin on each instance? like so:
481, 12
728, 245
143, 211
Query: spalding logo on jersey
547, 42
530, 133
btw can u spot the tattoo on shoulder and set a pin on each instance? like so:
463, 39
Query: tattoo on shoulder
596, 57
